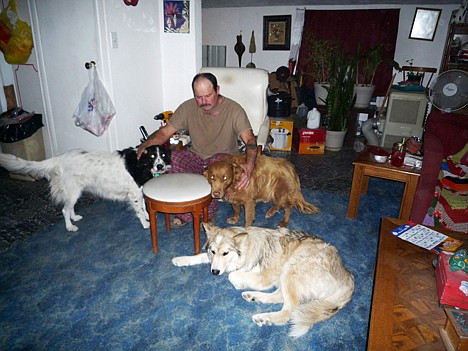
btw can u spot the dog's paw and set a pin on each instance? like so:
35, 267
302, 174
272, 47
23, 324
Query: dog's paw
270, 213
249, 296
236, 280
145, 225
262, 319
232, 220
72, 228
77, 218
181, 261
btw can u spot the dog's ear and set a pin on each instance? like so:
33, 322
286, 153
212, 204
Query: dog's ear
239, 239
210, 230
237, 171
205, 174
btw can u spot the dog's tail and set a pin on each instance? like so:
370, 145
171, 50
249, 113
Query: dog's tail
315, 311
305, 207
35, 169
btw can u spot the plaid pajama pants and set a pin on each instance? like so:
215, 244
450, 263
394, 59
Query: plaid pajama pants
186, 161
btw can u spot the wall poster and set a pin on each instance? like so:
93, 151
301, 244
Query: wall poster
176, 16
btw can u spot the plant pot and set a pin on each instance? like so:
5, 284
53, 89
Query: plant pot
334, 140
364, 95
320, 93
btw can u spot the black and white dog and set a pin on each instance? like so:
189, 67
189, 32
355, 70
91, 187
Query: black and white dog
111, 175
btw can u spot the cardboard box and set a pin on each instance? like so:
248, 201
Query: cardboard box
281, 130
309, 141
448, 283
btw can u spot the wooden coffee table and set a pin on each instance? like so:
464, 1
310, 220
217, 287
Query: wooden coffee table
364, 168
405, 313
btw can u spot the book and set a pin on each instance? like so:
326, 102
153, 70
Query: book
426, 238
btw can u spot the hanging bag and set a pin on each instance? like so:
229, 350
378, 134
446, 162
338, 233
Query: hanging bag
15, 36
95, 110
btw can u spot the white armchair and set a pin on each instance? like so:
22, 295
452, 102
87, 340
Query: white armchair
248, 87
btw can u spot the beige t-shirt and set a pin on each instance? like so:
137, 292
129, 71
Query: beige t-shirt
214, 132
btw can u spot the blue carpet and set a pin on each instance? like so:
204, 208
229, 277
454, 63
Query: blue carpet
102, 288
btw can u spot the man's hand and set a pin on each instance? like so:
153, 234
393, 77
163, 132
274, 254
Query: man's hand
141, 150
245, 177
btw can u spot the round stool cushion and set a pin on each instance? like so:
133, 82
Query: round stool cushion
177, 187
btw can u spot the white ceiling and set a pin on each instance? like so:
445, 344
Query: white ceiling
259, 3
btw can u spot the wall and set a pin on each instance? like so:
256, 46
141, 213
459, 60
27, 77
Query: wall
148, 73
221, 25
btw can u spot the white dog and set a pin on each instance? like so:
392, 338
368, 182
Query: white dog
115, 176
309, 276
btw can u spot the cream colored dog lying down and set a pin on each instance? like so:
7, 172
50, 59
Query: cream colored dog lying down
310, 278
272, 180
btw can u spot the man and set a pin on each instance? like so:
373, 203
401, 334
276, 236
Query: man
282, 82
215, 123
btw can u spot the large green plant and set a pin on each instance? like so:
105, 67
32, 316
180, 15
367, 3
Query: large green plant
341, 98
368, 63
318, 57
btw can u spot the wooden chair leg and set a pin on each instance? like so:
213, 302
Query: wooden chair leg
167, 218
196, 230
153, 229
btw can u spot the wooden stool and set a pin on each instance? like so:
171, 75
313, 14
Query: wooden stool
177, 193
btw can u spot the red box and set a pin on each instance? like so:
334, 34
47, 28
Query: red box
309, 141
448, 283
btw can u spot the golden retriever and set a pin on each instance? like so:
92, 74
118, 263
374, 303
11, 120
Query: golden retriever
272, 180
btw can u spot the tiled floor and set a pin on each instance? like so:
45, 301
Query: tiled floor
25, 207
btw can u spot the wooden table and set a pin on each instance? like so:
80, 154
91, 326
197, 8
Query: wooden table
364, 168
405, 312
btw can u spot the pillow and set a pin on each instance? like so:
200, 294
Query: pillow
449, 207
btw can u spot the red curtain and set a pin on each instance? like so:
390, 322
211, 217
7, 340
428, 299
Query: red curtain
366, 28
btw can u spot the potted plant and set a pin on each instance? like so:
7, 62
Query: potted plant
412, 77
340, 99
317, 63
366, 67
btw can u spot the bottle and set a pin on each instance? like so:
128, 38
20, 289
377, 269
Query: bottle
398, 154
302, 110
313, 119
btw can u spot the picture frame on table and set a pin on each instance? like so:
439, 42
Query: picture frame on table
277, 32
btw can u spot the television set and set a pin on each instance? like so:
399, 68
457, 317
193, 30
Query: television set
404, 118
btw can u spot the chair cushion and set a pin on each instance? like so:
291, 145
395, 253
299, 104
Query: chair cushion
246, 86
177, 187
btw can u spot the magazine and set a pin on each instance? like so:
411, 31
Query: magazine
426, 238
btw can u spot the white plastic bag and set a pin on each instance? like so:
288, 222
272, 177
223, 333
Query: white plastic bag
95, 110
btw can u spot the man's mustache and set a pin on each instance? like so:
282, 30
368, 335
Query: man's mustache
205, 105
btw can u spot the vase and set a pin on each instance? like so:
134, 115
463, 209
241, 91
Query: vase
320, 93
364, 93
334, 140
239, 48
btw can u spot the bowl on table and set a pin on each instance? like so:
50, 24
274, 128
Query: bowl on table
378, 154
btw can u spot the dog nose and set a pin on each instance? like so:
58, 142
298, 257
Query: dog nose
159, 167
215, 271
216, 194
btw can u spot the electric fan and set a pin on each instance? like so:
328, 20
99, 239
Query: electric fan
449, 91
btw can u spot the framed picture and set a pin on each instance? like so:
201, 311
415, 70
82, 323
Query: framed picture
277, 32
424, 23
176, 16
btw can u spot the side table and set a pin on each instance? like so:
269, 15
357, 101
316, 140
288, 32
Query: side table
364, 168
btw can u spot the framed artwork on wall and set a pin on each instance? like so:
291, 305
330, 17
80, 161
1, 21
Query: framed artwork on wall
424, 23
176, 16
277, 32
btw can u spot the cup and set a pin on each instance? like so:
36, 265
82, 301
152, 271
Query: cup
398, 155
